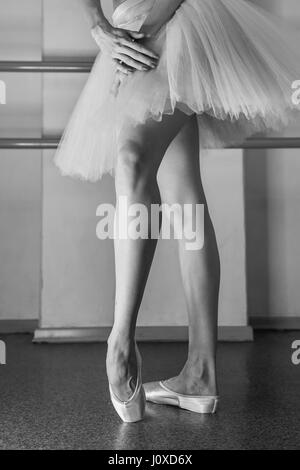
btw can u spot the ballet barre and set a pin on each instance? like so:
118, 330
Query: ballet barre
48, 143
79, 66
84, 66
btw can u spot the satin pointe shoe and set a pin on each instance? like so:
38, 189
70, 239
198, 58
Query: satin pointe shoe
133, 409
159, 393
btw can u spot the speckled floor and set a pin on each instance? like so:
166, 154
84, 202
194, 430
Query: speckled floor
56, 397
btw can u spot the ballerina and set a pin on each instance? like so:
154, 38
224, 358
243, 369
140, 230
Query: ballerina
168, 72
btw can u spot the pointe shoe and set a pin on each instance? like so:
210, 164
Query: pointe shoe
133, 409
159, 393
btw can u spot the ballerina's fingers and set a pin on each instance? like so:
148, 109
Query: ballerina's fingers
123, 68
129, 61
132, 44
137, 56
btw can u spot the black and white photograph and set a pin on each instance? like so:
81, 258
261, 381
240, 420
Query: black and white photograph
149, 228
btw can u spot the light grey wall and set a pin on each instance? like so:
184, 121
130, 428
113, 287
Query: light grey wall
273, 226
20, 171
272, 211
86, 286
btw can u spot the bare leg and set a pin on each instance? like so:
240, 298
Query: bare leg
141, 150
180, 182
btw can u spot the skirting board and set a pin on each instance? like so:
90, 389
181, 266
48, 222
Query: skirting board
275, 323
146, 333
172, 333
18, 326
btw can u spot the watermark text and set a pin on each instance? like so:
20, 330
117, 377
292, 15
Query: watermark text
296, 353
137, 221
2, 353
2, 92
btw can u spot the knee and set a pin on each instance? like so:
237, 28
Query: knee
132, 169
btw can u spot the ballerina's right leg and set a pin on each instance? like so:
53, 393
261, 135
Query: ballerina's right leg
141, 150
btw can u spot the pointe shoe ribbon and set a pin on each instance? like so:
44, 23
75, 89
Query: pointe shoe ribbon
159, 393
132, 410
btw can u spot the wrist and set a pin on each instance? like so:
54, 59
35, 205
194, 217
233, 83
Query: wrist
103, 26
98, 32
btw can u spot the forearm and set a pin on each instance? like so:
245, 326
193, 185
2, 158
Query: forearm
95, 13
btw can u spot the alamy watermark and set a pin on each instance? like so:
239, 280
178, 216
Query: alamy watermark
166, 221
2, 92
296, 94
2, 353
296, 353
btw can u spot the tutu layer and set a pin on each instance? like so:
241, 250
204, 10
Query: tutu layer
225, 60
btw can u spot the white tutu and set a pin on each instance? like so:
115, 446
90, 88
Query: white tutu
225, 60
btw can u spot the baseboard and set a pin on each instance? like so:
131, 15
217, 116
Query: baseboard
148, 333
275, 323
18, 326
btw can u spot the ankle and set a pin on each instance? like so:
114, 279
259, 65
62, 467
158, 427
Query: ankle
202, 371
120, 351
120, 340
201, 360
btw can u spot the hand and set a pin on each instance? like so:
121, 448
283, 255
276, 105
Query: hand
123, 47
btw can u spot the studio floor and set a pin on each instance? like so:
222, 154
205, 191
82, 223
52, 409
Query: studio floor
56, 397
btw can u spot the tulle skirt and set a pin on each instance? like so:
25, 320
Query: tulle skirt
225, 60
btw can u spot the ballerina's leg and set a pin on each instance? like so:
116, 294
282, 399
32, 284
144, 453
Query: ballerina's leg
179, 180
140, 152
